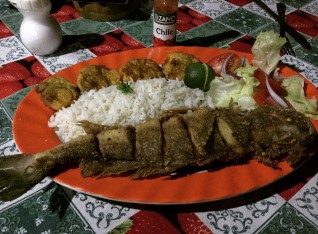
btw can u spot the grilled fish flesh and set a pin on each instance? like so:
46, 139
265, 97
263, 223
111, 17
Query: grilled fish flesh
176, 139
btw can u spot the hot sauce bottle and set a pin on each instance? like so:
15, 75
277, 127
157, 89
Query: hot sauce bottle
165, 22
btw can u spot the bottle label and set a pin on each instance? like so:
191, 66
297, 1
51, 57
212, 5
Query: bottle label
164, 27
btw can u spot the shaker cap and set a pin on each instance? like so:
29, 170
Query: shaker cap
30, 4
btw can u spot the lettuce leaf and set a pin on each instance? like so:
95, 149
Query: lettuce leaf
294, 87
226, 90
266, 50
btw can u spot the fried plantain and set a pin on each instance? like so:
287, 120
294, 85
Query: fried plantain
175, 64
97, 77
140, 69
113, 76
57, 92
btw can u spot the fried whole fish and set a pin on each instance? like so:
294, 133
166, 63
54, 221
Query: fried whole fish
176, 139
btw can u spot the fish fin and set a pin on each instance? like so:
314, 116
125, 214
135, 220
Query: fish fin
92, 128
119, 167
91, 167
205, 161
155, 170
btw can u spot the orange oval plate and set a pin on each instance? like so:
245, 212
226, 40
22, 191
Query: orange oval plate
32, 134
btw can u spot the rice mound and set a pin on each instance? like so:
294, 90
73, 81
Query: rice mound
109, 106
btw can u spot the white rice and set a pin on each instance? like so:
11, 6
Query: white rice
109, 106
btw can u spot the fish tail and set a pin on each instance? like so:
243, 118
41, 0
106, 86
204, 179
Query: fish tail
19, 173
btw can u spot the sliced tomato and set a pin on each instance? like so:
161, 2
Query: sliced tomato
261, 76
263, 98
217, 62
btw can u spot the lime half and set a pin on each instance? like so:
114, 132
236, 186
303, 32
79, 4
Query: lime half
199, 75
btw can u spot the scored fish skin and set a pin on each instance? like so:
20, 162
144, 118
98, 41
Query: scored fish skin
117, 144
149, 142
148, 152
234, 127
267, 134
219, 150
200, 131
178, 148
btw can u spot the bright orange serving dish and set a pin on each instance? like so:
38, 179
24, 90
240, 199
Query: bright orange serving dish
32, 134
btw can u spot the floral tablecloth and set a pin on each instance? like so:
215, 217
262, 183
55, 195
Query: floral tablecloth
290, 206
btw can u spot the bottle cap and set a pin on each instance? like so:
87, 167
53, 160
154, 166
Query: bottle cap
30, 4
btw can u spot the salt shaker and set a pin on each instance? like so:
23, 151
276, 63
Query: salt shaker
39, 31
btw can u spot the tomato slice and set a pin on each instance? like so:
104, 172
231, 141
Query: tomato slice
261, 76
217, 62
262, 96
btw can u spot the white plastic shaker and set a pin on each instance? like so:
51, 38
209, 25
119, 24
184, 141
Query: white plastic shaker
39, 31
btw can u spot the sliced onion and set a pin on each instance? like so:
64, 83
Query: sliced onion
223, 70
244, 62
274, 95
225, 73
277, 76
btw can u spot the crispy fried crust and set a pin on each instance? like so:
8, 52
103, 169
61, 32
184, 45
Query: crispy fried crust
140, 69
280, 133
199, 131
233, 126
92, 77
175, 64
202, 137
117, 144
97, 77
113, 76
57, 92
149, 140
178, 148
